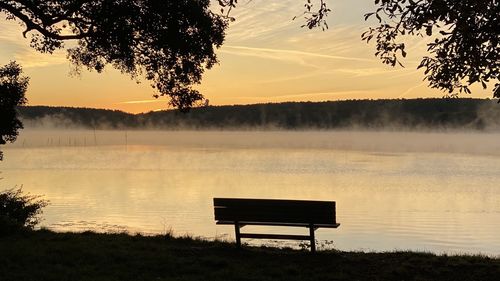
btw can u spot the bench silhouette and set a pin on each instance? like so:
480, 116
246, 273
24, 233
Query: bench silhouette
272, 212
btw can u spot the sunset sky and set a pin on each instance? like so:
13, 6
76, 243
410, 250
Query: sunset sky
267, 57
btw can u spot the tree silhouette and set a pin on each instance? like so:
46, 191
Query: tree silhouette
13, 86
465, 46
169, 43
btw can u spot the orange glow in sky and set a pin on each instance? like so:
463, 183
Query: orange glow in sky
267, 57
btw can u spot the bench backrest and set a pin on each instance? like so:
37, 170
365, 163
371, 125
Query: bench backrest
271, 210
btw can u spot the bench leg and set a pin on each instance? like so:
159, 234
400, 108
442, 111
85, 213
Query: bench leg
313, 239
237, 234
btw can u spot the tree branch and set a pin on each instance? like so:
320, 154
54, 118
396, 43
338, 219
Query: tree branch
31, 25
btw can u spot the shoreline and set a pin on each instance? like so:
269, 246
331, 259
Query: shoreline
48, 255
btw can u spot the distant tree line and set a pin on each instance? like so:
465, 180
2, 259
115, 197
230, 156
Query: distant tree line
69, 117
413, 114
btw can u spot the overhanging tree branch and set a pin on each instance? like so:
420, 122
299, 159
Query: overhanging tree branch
31, 25
465, 46
170, 43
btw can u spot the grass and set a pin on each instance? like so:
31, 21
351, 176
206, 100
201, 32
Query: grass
45, 255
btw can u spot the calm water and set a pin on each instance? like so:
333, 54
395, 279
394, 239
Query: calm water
431, 192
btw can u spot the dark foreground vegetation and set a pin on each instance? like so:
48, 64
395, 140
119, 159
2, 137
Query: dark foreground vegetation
44, 255
414, 114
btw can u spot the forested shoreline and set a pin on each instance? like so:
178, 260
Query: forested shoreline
412, 114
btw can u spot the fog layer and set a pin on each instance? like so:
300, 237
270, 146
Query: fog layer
451, 142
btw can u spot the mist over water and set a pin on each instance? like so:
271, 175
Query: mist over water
394, 190
375, 141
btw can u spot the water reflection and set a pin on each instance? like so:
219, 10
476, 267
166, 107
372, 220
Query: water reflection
385, 200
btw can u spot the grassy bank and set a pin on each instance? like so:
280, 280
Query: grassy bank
45, 255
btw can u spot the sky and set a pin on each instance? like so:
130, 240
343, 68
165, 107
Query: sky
267, 57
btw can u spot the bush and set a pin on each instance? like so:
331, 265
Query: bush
19, 211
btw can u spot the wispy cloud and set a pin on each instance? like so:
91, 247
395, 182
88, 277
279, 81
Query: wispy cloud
270, 55
323, 94
13, 46
261, 20
140, 101
284, 53
411, 89
361, 72
291, 78
331, 95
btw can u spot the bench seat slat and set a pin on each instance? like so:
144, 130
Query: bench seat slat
293, 209
272, 203
334, 225
285, 218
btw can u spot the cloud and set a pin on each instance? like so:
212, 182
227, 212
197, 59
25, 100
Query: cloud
272, 55
284, 53
311, 96
261, 20
323, 94
363, 72
411, 89
291, 78
140, 101
13, 46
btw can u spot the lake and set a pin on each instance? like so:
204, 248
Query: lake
432, 191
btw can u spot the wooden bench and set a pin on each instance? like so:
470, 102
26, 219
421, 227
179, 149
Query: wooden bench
271, 212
